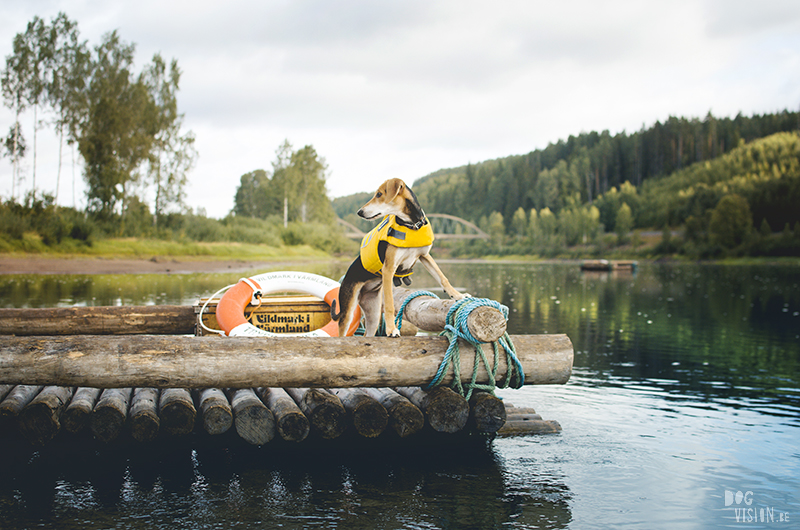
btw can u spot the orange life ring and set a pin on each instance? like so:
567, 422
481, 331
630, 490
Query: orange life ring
230, 309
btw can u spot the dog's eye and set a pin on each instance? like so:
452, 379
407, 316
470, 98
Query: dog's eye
378, 194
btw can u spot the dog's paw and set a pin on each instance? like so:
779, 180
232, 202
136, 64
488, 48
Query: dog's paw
461, 296
393, 333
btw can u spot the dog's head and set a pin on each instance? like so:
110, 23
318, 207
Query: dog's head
394, 197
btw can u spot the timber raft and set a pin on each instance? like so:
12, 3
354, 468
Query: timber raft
142, 372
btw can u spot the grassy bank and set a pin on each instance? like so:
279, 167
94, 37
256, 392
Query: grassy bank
150, 248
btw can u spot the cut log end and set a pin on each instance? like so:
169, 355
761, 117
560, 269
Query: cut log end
369, 418
487, 412
39, 421
293, 427
254, 422
487, 324
406, 419
177, 411
522, 427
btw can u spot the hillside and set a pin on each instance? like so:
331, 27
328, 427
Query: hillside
672, 174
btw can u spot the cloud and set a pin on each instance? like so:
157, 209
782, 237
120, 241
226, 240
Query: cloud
726, 18
403, 88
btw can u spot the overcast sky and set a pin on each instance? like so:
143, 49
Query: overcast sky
390, 88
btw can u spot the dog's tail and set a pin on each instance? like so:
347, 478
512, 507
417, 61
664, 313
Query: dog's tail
334, 315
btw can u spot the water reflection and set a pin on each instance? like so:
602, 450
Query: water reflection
194, 485
706, 331
686, 383
66, 290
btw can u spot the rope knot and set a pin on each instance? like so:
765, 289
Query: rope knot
456, 328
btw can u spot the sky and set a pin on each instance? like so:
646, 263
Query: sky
402, 88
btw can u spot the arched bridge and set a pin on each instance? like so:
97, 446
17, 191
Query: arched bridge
445, 226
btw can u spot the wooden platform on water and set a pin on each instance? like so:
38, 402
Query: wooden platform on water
604, 265
155, 385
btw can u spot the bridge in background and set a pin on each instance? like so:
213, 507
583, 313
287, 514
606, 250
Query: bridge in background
444, 227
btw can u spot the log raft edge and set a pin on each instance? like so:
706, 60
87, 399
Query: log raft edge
212, 362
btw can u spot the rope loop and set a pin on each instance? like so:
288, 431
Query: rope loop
456, 328
398, 319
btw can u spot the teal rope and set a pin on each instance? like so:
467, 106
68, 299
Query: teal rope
398, 319
456, 328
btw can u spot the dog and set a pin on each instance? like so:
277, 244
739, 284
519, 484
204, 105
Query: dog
387, 257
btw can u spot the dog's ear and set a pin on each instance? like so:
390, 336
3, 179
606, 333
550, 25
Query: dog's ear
393, 188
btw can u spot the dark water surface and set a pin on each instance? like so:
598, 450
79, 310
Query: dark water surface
685, 392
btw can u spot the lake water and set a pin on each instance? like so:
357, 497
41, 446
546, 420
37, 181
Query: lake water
683, 411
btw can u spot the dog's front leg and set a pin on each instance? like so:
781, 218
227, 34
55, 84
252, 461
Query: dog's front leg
437, 273
387, 277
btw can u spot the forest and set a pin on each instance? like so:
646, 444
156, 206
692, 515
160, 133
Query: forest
595, 192
708, 188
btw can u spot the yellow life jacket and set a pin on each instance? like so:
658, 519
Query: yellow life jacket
391, 231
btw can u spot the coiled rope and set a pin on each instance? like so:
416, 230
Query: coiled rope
456, 328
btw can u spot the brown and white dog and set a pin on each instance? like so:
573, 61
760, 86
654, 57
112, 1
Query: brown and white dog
393, 247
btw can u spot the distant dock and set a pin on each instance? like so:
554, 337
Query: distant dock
604, 265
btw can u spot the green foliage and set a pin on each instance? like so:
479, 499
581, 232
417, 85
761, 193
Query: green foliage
297, 182
120, 126
765, 172
173, 153
37, 224
317, 235
350, 204
519, 223
731, 222
346, 208
253, 196
764, 175
127, 126
623, 222
593, 164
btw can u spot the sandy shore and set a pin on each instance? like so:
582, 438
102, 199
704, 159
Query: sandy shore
58, 265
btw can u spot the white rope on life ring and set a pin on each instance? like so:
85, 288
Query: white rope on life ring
230, 309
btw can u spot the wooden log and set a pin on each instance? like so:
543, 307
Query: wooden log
511, 409
529, 427
325, 412
254, 422
405, 418
486, 324
523, 417
216, 410
244, 362
292, 424
77, 414
445, 410
177, 411
368, 416
16, 400
486, 412
108, 320
110, 413
144, 420
4, 390
39, 421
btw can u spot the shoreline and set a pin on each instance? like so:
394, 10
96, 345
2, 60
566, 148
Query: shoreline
108, 265
53, 264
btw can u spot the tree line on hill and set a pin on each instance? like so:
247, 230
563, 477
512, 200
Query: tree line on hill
589, 165
575, 192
